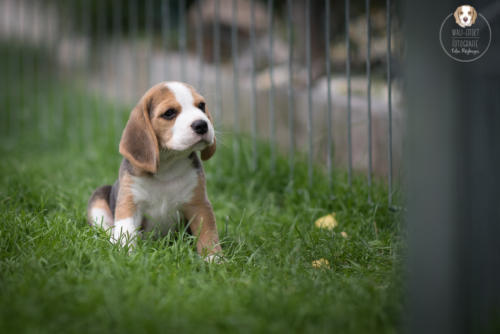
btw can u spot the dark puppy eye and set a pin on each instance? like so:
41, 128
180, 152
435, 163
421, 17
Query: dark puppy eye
201, 106
169, 114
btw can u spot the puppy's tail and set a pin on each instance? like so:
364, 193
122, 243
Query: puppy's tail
99, 211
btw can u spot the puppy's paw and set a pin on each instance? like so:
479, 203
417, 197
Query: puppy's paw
214, 258
124, 232
123, 239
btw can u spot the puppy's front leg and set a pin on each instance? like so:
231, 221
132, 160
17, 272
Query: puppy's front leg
128, 217
203, 226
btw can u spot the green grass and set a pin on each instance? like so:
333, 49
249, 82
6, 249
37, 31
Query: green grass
58, 275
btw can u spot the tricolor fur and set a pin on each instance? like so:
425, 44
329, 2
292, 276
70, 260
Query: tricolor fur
465, 16
161, 179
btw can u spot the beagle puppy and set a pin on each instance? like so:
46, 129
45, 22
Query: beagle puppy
161, 178
465, 16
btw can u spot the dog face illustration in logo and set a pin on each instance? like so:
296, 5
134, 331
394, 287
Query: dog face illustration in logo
465, 16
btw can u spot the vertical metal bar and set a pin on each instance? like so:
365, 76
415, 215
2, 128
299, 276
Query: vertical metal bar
8, 69
87, 128
117, 11
253, 100
291, 120
58, 97
65, 131
148, 25
218, 92
16, 71
164, 34
236, 86
132, 14
71, 104
36, 74
199, 43
272, 119
22, 72
8, 72
309, 94
53, 104
329, 163
5, 77
389, 102
78, 101
3, 93
58, 93
368, 94
101, 23
44, 71
182, 37
348, 75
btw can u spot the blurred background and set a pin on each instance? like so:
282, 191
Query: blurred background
275, 70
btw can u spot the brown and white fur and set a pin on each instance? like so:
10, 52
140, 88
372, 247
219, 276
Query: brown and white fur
465, 16
161, 178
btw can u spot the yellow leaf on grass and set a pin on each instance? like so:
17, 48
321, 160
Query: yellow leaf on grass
321, 263
343, 234
327, 222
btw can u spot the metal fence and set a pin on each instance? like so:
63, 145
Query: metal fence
234, 52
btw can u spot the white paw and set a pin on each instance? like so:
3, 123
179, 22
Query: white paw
124, 232
214, 258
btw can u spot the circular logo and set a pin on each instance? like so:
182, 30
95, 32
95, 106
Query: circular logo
465, 35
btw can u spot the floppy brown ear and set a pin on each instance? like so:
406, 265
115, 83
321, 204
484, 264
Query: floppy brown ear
457, 18
138, 143
474, 15
207, 152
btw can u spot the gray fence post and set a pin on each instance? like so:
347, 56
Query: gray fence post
453, 185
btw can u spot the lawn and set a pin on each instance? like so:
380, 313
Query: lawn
58, 275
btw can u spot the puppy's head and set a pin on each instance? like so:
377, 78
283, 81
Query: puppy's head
465, 16
171, 116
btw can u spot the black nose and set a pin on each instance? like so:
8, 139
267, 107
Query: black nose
200, 127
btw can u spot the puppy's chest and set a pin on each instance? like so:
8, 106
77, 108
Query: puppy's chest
160, 197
